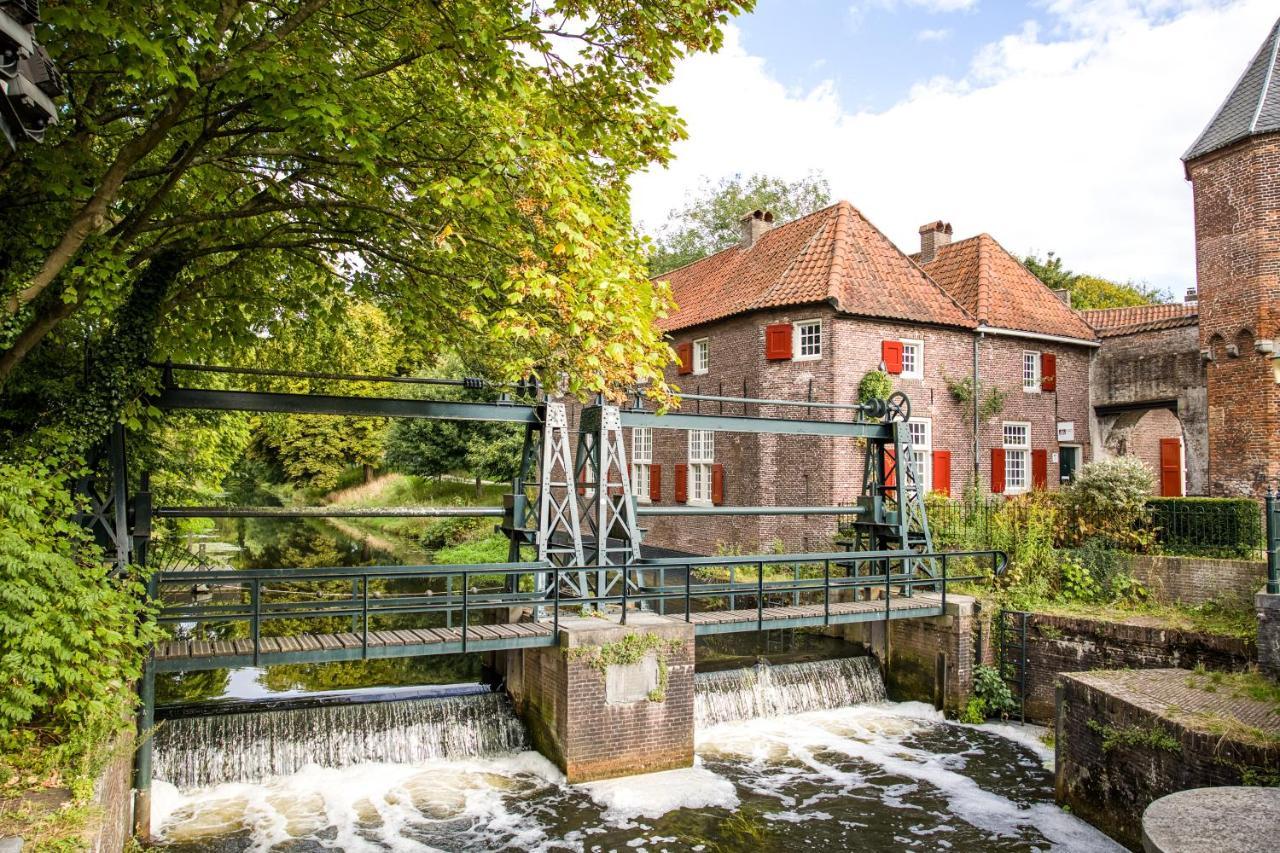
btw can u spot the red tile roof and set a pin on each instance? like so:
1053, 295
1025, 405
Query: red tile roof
997, 289
834, 256
1113, 322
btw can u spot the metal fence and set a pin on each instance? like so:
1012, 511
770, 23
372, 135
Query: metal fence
1207, 527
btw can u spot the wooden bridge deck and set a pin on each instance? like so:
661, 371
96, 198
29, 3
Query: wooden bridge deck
185, 655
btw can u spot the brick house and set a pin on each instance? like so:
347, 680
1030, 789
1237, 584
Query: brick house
803, 311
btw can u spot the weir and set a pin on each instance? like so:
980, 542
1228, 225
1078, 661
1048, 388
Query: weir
596, 638
250, 746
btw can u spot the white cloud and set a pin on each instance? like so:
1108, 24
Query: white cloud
933, 35
1070, 145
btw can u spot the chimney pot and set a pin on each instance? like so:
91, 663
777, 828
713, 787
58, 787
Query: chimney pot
1064, 295
754, 226
933, 236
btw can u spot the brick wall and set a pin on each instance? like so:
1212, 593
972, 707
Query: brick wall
931, 660
1057, 644
794, 470
1237, 215
563, 699
1196, 580
1111, 787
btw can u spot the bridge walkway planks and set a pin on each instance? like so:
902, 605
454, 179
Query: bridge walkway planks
185, 655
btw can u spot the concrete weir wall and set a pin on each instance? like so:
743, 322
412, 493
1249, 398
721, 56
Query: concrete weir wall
609, 700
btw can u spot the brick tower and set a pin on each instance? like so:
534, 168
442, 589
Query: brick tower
1234, 169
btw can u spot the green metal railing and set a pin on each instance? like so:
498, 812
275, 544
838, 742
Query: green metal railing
1273, 541
896, 572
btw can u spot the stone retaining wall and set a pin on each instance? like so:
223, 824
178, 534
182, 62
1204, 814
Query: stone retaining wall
1057, 644
1197, 580
1124, 739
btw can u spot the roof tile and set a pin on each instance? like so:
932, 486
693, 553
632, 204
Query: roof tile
996, 288
834, 256
1113, 322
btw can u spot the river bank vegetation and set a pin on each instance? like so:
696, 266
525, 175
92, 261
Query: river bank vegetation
225, 187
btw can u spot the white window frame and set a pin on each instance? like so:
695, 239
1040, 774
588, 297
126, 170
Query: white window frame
916, 372
1031, 372
921, 453
702, 456
797, 340
701, 356
641, 459
1017, 456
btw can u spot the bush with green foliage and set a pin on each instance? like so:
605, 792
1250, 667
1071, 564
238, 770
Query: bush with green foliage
875, 385
1025, 528
1109, 498
991, 697
71, 635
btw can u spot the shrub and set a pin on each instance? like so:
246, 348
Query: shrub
991, 697
875, 385
1229, 527
1109, 498
1025, 529
71, 635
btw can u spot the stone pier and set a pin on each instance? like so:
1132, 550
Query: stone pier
610, 699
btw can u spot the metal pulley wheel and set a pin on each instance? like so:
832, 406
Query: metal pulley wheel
899, 406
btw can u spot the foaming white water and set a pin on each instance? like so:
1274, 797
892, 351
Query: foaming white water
219, 748
773, 691
819, 744
366, 806
654, 794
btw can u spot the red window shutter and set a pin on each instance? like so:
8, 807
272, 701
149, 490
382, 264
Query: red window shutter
717, 484
682, 483
891, 355
655, 483
1040, 469
890, 466
777, 341
582, 479
997, 470
1048, 371
942, 472
684, 352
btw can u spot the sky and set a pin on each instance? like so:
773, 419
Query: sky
1052, 125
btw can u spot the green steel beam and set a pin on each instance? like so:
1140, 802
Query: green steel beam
326, 404
739, 423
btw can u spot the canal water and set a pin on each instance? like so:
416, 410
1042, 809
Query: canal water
455, 774
805, 752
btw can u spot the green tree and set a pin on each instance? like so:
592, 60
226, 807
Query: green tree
1088, 291
708, 222
313, 450
464, 163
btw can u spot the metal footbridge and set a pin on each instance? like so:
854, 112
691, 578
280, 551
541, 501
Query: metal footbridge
251, 617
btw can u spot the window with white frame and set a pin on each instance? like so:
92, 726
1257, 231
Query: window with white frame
808, 337
702, 455
1031, 372
701, 356
641, 459
1017, 457
921, 432
913, 359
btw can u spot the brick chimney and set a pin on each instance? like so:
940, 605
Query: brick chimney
933, 237
754, 225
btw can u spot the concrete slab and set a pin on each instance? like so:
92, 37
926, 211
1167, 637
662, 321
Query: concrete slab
1212, 820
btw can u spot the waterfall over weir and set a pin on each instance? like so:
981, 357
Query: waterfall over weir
248, 747
791, 688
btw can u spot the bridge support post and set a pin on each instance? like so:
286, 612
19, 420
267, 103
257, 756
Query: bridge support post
609, 700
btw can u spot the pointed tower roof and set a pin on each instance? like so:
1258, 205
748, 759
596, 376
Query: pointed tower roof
1252, 108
